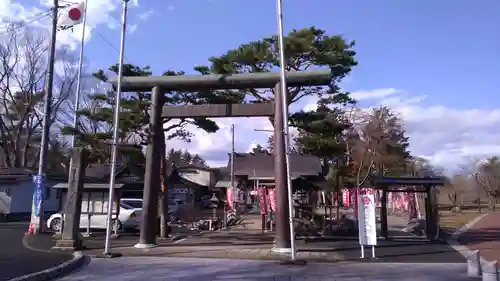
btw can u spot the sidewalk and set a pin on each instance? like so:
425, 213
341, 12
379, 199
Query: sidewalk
249, 222
189, 269
484, 236
246, 245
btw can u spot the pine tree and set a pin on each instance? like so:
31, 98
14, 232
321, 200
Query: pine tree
95, 128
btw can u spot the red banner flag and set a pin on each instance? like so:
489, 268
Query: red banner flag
229, 197
272, 199
263, 201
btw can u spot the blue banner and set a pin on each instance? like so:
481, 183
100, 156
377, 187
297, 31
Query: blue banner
38, 194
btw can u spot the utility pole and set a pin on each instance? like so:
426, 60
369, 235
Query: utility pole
37, 223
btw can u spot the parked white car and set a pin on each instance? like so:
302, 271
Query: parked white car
173, 204
129, 218
132, 202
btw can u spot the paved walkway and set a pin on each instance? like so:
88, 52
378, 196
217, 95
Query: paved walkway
190, 269
485, 237
257, 246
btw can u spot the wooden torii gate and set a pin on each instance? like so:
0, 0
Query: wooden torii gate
159, 85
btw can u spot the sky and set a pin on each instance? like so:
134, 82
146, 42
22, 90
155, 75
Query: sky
436, 63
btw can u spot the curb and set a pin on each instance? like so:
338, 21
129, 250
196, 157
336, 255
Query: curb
78, 260
116, 251
462, 249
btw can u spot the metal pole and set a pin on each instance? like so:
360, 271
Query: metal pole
116, 128
232, 169
37, 224
284, 92
77, 102
79, 78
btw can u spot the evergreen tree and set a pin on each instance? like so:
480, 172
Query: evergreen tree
304, 49
259, 149
134, 115
320, 132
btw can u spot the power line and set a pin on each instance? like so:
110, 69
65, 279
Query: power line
23, 24
45, 14
111, 45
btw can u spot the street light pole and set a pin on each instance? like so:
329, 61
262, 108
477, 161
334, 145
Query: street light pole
284, 93
79, 78
116, 129
37, 224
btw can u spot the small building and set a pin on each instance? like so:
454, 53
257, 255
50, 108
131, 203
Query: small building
16, 193
129, 183
252, 170
189, 183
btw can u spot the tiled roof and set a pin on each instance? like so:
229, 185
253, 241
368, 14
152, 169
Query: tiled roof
22, 174
223, 173
94, 172
102, 172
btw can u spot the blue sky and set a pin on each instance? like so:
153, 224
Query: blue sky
447, 49
437, 63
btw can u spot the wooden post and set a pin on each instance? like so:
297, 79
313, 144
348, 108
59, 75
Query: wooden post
152, 179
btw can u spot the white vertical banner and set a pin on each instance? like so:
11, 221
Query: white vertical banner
366, 217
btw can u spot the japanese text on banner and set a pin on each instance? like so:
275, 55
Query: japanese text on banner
366, 217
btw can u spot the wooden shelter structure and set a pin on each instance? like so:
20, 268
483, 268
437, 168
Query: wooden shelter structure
425, 185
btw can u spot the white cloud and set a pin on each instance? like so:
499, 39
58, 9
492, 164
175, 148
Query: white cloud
132, 28
310, 106
215, 147
446, 136
374, 94
99, 13
144, 16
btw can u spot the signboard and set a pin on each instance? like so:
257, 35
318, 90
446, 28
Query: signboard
180, 190
262, 201
229, 197
366, 220
93, 203
272, 199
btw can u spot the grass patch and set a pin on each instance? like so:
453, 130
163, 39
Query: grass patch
451, 222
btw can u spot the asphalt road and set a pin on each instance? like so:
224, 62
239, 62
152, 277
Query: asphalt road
97, 239
17, 260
